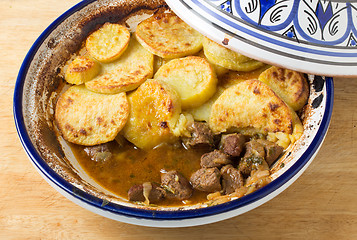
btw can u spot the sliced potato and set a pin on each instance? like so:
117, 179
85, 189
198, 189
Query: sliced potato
224, 57
125, 74
250, 104
155, 109
108, 43
290, 85
192, 77
203, 112
218, 69
167, 36
82, 69
87, 118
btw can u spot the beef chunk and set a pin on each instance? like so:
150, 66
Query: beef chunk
253, 157
272, 151
99, 153
232, 179
233, 144
155, 193
206, 180
201, 136
216, 158
176, 185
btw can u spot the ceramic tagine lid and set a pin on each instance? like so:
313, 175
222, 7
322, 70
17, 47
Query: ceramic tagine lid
312, 36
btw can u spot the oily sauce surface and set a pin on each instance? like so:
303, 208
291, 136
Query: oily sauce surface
129, 165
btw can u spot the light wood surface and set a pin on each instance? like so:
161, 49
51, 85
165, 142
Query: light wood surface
321, 204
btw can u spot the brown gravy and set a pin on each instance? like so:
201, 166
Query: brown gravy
129, 165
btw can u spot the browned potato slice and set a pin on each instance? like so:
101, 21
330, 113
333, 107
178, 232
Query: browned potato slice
192, 77
250, 104
167, 36
224, 57
108, 43
87, 118
81, 70
155, 109
290, 85
125, 74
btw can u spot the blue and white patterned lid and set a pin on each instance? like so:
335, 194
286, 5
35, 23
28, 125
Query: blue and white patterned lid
313, 36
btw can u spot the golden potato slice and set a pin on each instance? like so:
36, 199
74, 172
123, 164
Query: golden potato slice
87, 118
108, 43
250, 104
203, 112
167, 36
227, 58
82, 69
192, 77
125, 74
290, 85
218, 69
155, 109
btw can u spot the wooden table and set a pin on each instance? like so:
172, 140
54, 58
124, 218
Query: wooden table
321, 204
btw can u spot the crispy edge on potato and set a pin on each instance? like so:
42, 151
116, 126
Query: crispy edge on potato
167, 36
87, 118
108, 42
290, 85
250, 104
155, 110
224, 57
82, 69
192, 77
125, 74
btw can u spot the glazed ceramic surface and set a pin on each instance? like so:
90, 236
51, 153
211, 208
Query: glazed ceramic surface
314, 36
37, 88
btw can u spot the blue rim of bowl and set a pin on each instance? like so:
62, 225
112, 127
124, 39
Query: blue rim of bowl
142, 213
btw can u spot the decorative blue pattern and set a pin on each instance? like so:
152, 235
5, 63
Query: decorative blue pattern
320, 22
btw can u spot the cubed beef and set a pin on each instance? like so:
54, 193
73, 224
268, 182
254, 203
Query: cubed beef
233, 144
272, 151
201, 136
99, 153
176, 185
206, 180
232, 179
253, 157
154, 193
216, 158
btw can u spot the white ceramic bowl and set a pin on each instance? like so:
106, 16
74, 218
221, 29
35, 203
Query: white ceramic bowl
37, 87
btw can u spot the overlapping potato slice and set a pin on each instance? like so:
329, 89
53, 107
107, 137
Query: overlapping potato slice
125, 74
250, 104
82, 69
192, 77
155, 109
167, 36
203, 112
87, 118
290, 85
108, 43
227, 58
218, 69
